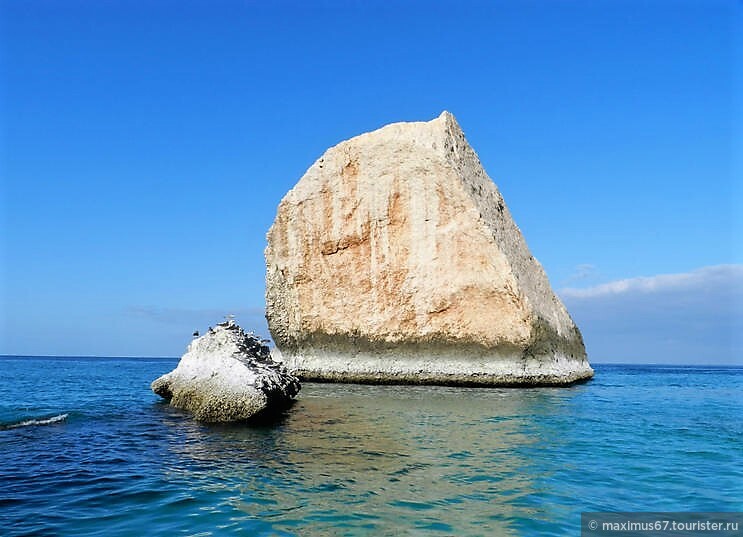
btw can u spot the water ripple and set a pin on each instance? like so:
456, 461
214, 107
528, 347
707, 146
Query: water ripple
365, 460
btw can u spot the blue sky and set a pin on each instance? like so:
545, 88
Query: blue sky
144, 147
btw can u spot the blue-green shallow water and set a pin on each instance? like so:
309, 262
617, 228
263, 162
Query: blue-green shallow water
362, 460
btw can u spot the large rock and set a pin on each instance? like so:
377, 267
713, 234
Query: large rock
227, 375
395, 259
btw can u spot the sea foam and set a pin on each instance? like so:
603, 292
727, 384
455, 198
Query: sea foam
35, 421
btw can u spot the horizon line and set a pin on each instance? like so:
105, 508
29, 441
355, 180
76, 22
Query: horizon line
179, 357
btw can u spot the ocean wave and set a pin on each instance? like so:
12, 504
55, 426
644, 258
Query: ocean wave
36, 421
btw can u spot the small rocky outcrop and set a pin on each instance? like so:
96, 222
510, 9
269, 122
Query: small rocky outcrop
227, 375
395, 259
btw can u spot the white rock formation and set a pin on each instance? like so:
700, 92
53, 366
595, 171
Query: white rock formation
227, 375
395, 259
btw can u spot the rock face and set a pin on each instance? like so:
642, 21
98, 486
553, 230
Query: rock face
394, 259
227, 375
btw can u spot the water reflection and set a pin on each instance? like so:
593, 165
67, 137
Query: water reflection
368, 459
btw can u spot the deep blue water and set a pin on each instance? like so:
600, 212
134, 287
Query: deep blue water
362, 460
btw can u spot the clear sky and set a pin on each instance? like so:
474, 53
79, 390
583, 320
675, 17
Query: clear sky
145, 145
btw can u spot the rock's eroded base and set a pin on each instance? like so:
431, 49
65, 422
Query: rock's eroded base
468, 366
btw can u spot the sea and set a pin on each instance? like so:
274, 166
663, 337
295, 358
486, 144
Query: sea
87, 449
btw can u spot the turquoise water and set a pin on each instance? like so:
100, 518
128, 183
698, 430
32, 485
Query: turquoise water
87, 449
